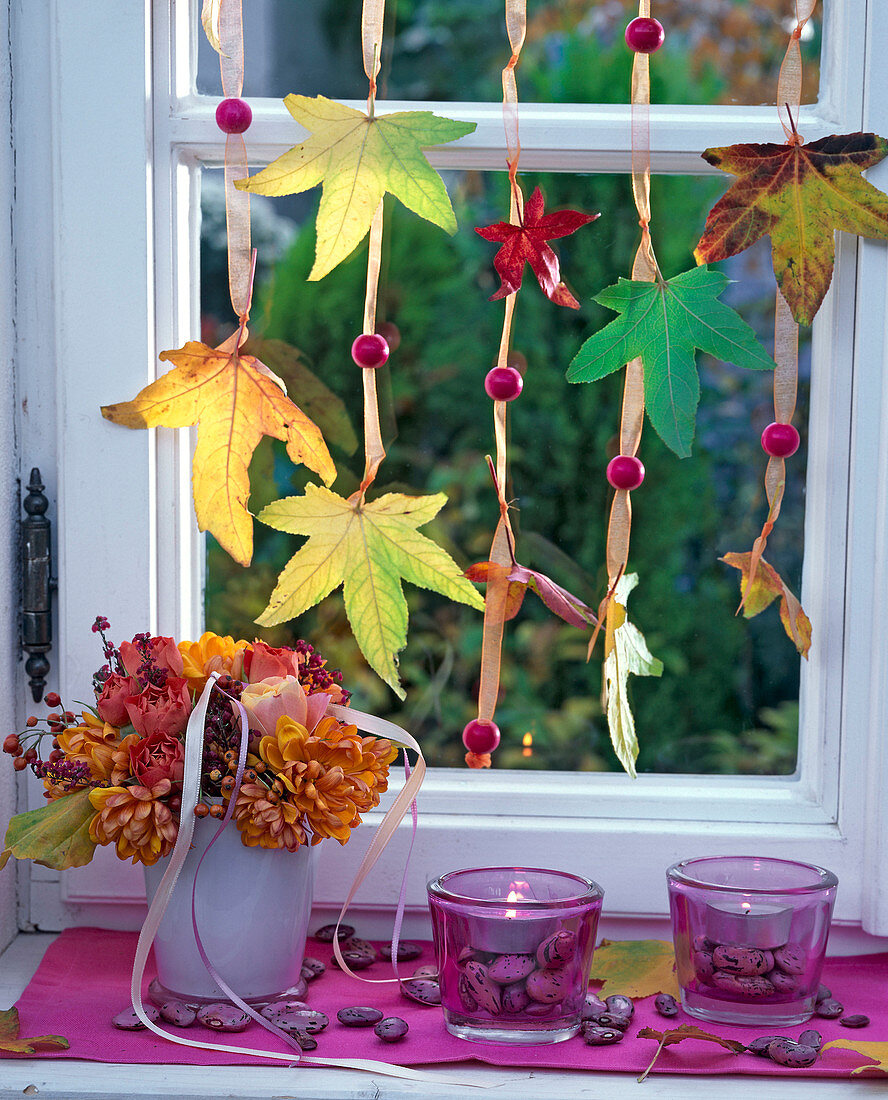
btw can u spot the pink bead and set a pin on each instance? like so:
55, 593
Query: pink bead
625, 472
503, 383
645, 35
233, 116
780, 440
370, 350
480, 737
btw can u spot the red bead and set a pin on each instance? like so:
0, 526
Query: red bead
503, 383
390, 333
480, 737
645, 35
625, 472
233, 116
780, 440
370, 350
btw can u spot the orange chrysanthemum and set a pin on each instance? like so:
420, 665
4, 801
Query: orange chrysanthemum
212, 654
135, 820
94, 744
121, 768
331, 775
264, 823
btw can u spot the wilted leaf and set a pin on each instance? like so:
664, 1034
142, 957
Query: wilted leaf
626, 652
481, 572
878, 1051
358, 159
558, 600
55, 835
316, 400
799, 194
678, 1034
636, 968
767, 586
367, 547
235, 400
12, 1044
663, 323
526, 243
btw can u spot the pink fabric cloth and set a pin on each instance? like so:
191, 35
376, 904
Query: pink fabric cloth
83, 982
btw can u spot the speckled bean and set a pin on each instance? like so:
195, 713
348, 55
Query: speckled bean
792, 1055
391, 1030
782, 982
506, 969
703, 965
745, 961
597, 1036
127, 1020
178, 1013
811, 1039
424, 991
858, 1020
222, 1016
515, 998
791, 958
829, 1009
312, 968
620, 1005
548, 986
359, 1016
485, 991
328, 932
760, 1045
666, 1005
557, 950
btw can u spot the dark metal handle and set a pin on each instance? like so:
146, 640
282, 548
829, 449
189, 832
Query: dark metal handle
37, 585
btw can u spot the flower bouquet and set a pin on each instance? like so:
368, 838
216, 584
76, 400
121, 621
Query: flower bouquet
114, 776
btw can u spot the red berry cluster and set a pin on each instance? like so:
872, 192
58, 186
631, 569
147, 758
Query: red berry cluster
24, 747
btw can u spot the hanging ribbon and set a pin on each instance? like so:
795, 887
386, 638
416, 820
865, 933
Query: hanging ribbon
237, 203
786, 331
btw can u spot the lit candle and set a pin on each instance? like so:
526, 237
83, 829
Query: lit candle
512, 931
747, 924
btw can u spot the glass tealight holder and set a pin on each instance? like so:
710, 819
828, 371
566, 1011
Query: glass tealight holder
514, 949
750, 937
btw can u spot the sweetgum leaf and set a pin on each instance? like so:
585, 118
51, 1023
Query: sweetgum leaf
367, 547
12, 1044
635, 968
358, 159
526, 244
799, 195
55, 835
234, 399
768, 586
663, 323
876, 1050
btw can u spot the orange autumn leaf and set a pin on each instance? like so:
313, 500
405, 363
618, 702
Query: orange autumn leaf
635, 968
768, 586
877, 1050
12, 1043
235, 400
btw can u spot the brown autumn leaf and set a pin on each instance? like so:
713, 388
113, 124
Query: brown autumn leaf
799, 195
768, 586
10, 1043
635, 968
678, 1035
235, 400
877, 1050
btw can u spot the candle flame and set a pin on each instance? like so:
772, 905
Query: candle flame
527, 742
513, 895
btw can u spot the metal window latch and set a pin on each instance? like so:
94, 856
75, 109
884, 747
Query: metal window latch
38, 585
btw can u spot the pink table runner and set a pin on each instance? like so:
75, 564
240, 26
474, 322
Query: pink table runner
83, 982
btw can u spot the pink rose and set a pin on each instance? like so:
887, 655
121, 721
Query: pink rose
274, 698
164, 654
160, 709
263, 661
157, 757
111, 703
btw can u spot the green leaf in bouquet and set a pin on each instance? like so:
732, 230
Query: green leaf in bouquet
55, 835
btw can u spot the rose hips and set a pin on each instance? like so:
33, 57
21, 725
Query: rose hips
12, 745
53, 699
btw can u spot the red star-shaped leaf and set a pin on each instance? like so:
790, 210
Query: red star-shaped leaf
526, 243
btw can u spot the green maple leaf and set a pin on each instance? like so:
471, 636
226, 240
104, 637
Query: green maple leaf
10, 1043
628, 654
799, 195
367, 547
358, 158
55, 835
663, 323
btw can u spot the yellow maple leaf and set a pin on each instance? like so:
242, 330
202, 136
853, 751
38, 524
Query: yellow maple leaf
368, 547
235, 400
767, 586
635, 968
358, 158
877, 1050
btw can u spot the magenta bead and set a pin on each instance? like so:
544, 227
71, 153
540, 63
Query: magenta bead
645, 35
370, 350
503, 383
233, 116
480, 737
625, 472
780, 440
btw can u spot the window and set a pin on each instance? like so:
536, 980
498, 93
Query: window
121, 252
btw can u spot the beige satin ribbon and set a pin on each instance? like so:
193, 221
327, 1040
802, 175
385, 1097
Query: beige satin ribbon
786, 331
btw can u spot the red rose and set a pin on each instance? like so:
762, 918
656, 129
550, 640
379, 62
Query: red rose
164, 654
264, 661
159, 756
111, 703
160, 709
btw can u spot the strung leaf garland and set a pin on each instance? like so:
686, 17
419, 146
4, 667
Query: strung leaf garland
523, 239
367, 547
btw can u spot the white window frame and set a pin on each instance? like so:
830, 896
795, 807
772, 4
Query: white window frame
125, 138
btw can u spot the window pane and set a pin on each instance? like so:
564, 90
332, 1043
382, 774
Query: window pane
729, 52
728, 700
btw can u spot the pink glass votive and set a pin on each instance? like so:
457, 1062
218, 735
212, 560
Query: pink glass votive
514, 948
750, 937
